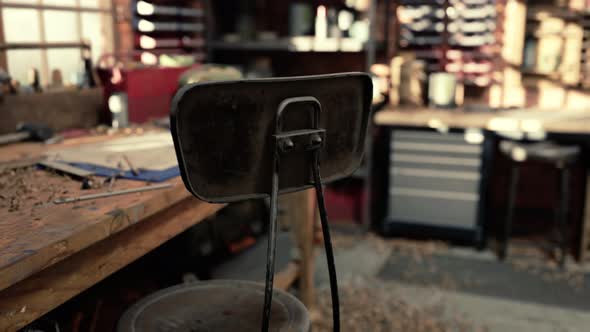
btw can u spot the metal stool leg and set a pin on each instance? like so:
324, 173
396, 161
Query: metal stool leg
327, 243
271, 248
504, 234
563, 214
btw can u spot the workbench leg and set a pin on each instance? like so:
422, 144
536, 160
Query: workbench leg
300, 210
585, 234
306, 282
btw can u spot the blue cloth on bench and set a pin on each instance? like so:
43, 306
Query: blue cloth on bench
144, 175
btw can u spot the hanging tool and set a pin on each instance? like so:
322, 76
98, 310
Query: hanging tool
28, 131
112, 193
134, 170
111, 179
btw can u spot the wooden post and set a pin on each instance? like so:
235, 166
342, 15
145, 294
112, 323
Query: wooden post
585, 234
3, 57
300, 215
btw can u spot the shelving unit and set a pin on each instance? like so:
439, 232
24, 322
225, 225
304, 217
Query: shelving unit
463, 37
536, 52
554, 56
585, 60
152, 28
293, 44
247, 33
453, 36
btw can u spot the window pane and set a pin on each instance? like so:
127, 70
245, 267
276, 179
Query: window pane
21, 25
90, 3
105, 4
60, 26
68, 61
20, 61
20, 1
68, 3
97, 28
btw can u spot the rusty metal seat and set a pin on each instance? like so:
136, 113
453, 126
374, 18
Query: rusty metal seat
222, 305
239, 140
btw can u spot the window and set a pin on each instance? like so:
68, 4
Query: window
48, 35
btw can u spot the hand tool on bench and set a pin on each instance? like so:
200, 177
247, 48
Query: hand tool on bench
28, 131
111, 179
134, 170
64, 168
111, 193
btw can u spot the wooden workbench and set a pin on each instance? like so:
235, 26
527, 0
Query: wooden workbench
548, 121
532, 124
50, 253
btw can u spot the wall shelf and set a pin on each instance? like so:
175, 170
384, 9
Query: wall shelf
293, 44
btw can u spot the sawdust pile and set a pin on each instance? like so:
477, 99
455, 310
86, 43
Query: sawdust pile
535, 262
25, 186
377, 309
419, 250
15, 187
529, 259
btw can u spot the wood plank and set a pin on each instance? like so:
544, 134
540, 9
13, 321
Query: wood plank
152, 150
27, 300
300, 207
20, 163
585, 234
286, 277
59, 110
24, 150
65, 168
43, 45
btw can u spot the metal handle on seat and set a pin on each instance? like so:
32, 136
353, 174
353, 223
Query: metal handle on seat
284, 144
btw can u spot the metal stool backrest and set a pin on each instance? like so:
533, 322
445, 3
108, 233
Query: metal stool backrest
247, 139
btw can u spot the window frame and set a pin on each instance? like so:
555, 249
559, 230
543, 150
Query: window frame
105, 7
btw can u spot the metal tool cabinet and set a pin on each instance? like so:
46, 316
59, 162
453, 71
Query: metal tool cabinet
434, 183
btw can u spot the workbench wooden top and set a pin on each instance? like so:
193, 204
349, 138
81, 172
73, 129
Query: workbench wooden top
530, 121
427, 117
36, 234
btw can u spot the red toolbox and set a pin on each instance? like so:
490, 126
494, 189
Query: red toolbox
148, 89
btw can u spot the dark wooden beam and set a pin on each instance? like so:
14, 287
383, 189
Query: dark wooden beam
14, 46
53, 7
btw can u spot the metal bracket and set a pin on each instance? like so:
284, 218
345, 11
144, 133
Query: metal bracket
310, 140
296, 140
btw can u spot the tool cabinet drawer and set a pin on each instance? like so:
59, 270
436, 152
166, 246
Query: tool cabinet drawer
435, 179
432, 208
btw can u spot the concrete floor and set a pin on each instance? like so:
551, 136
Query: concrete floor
496, 296
458, 284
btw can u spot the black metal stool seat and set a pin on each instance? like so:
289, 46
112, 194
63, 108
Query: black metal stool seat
545, 151
239, 140
223, 305
561, 157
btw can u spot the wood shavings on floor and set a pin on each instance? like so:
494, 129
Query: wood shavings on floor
373, 306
